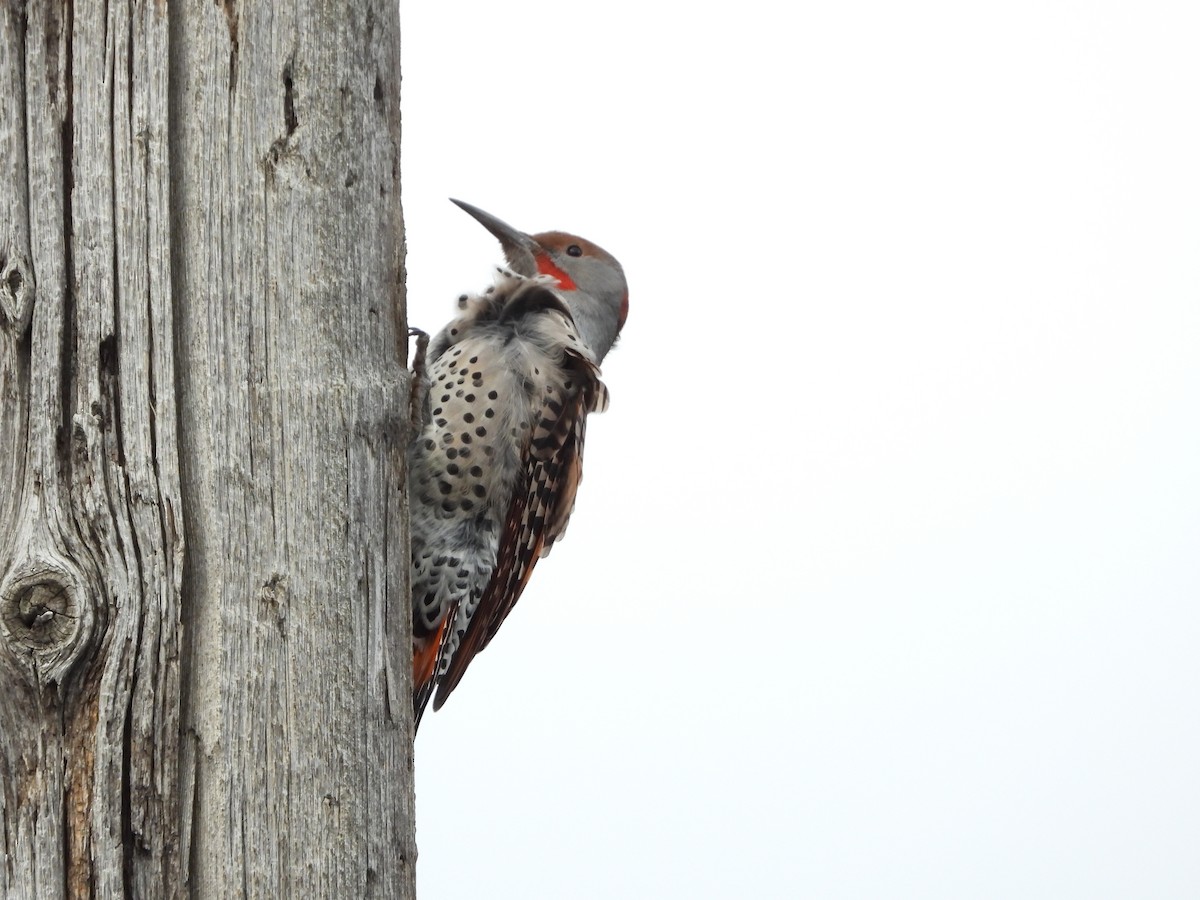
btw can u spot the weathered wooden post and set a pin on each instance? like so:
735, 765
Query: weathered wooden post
203, 551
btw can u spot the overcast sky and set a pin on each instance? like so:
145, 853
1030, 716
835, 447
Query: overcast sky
884, 577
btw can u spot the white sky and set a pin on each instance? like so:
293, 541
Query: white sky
884, 579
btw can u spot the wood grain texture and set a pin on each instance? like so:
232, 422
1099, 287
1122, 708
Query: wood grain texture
202, 336
294, 403
91, 548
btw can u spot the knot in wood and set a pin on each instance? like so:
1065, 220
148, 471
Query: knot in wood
45, 623
40, 615
16, 291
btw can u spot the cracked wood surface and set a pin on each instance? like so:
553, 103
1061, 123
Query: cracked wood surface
203, 551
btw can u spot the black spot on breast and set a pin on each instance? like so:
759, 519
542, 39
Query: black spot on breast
452, 469
469, 418
444, 487
452, 453
492, 395
479, 491
481, 431
476, 472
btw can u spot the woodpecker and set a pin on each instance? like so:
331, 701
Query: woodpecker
504, 398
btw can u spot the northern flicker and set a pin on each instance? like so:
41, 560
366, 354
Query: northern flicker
507, 388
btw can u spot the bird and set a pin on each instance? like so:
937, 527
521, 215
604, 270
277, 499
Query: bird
502, 403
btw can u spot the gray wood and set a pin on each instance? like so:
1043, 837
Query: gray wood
204, 673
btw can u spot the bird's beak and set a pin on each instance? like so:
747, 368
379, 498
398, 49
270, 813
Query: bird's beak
519, 248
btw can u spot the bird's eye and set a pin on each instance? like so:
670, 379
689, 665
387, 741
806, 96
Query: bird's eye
574, 250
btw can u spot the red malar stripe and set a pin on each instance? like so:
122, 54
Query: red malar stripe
547, 267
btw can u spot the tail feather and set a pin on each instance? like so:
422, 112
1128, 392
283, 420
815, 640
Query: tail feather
424, 665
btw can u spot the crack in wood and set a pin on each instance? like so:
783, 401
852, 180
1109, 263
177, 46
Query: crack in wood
67, 350
229, 7
289, 96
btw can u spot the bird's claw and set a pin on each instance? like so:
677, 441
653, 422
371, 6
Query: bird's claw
419, 392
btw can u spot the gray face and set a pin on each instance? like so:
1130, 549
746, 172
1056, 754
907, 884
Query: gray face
600, 302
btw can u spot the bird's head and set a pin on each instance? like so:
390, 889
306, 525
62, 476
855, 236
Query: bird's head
589, 278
